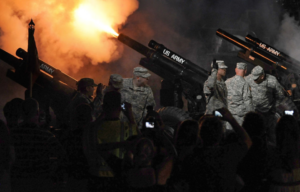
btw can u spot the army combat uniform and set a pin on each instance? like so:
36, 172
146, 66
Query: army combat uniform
265, 97
239, 99
215, 91
138, 97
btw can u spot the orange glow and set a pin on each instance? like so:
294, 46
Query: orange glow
69, 34
87, 17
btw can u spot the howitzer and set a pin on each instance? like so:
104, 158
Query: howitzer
179, 74
50, 89
259, 53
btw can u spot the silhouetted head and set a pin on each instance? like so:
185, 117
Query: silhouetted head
112, 102
143, 153
30, 109
187, 134
287, 135
254, 124
210, 130
13, 112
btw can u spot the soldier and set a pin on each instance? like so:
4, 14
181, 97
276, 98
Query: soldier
84, 96
214, 87
239, 97
267, 94
115, 84
137, 92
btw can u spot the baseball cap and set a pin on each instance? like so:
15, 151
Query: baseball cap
241, 65
85, 82
116, 81
141, 72
221, 64
256, 72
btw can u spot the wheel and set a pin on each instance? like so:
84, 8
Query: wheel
171, 117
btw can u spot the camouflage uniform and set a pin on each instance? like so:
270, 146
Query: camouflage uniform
215, 92
138, 97
265, 97
239, 97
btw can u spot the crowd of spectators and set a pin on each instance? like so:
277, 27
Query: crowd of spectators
107, 154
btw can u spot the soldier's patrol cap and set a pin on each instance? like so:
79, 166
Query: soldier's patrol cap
256, 72
221, 64
85, 82
141, 72
241, 65
116, 81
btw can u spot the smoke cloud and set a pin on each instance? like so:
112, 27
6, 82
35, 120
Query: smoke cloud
186, 27
288, 38
61, 37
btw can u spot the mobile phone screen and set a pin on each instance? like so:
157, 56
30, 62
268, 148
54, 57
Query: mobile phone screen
149, 124
123, 106
218, 114
289, 112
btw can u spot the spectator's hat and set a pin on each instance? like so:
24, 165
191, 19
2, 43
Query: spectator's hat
141, 72
116, 81
241, 65
85, 82
221, 64
256, 72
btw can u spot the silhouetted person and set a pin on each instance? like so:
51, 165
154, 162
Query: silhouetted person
13, 112
7, 157
39, 155
106, 129
284, 161
213, 167
252, 167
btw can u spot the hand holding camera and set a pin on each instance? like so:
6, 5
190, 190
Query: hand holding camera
223, 114
214, 65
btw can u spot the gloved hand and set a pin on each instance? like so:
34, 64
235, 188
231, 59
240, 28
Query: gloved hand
214, 65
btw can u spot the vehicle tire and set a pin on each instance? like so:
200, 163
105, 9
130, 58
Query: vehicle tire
171, 117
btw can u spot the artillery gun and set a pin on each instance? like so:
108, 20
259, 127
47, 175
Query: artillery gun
52, 87
180, 77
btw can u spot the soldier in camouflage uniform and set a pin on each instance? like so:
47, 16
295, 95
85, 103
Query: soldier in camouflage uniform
239, 97
214, 87
136, 92
267, 94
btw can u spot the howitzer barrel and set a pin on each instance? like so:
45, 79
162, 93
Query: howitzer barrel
57, 74
164, 62
177, 58
10, 59
134, 44
264, 46
255, 52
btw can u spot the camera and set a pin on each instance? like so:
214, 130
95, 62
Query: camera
218, 114
149, 124
289, 112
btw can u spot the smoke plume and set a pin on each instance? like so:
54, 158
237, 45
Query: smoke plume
64, 31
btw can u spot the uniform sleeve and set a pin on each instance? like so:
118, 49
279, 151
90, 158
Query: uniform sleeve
150, 99
279, 95
210, 82
247, 97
